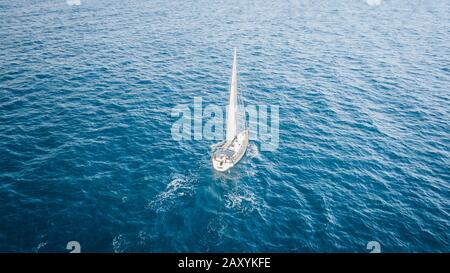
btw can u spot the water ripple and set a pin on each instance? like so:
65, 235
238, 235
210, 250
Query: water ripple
86, 153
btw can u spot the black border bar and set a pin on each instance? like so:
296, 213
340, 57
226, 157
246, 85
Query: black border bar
223, 262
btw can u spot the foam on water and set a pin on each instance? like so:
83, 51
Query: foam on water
119, 244
241, 201
178, 187
252, 151
40, 245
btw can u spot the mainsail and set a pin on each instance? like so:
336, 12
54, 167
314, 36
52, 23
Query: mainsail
232, 115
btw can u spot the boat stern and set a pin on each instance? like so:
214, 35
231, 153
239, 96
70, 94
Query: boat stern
221, 165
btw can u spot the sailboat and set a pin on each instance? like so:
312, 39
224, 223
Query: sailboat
229, 152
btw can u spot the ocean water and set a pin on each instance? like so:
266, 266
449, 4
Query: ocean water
87, 155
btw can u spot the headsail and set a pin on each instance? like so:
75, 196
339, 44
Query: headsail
232, 115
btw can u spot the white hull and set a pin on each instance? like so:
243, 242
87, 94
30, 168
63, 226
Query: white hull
231, 153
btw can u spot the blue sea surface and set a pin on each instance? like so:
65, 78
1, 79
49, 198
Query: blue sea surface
87, 154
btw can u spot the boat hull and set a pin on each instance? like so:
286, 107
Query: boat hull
223, 166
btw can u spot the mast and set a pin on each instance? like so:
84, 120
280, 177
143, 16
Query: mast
232, 121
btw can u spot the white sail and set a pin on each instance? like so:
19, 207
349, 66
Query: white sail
232, 115
228, 153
